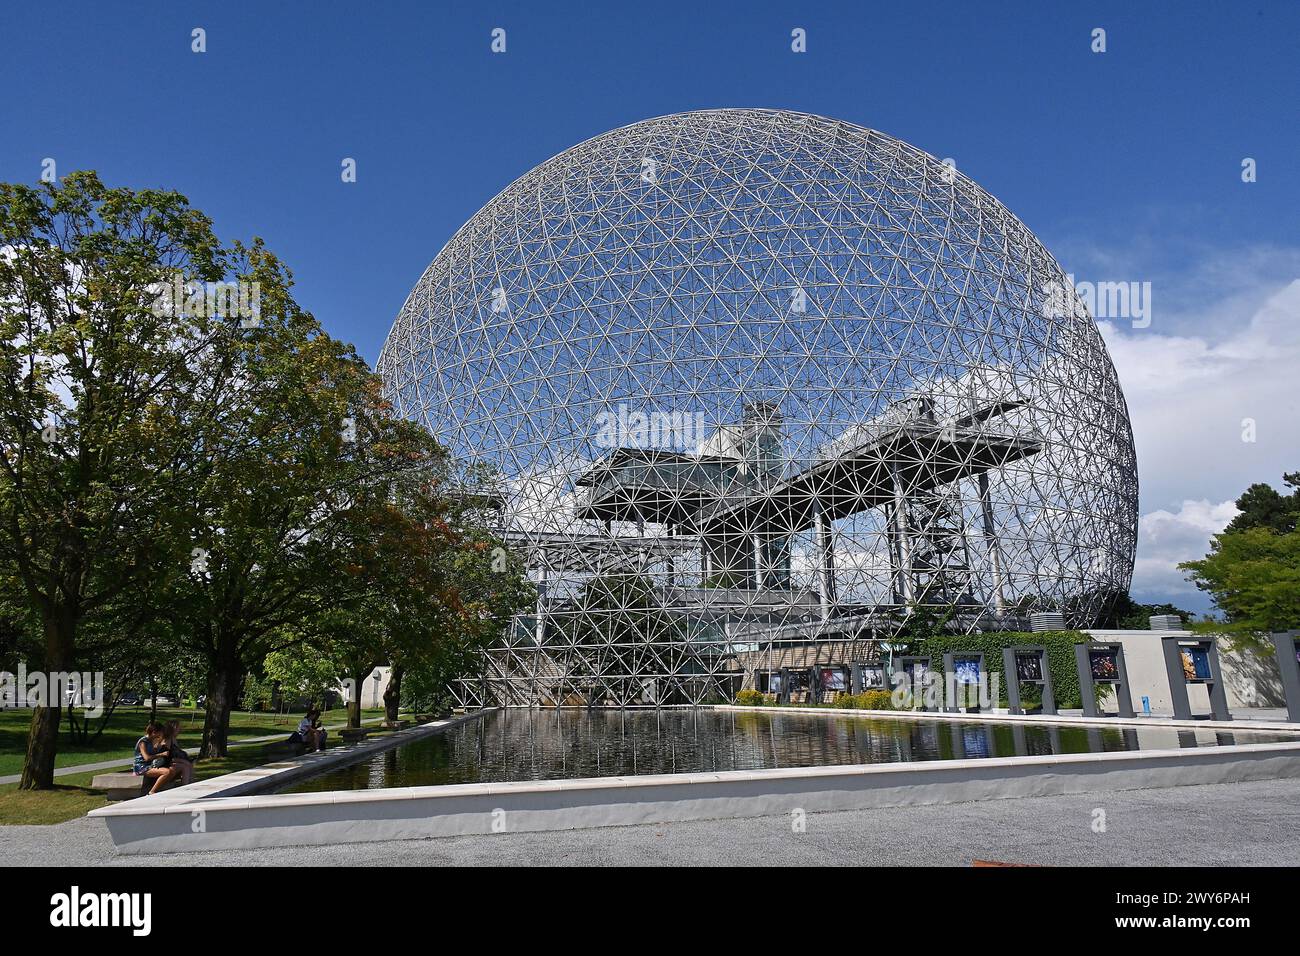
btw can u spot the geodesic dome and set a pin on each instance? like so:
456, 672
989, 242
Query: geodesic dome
752, 378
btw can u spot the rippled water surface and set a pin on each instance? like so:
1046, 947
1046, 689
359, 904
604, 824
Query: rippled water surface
549, 745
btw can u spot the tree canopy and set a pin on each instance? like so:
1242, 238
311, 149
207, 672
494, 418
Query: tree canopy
1253, 568
194, 475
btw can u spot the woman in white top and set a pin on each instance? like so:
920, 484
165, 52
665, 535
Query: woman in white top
310, 732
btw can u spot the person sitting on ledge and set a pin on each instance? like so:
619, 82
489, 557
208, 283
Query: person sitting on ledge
180, 760
310, 733
152, 760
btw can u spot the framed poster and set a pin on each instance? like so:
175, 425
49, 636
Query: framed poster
1104, 667
967, 670
832, 678
1196, 663
873, 676
1029, 667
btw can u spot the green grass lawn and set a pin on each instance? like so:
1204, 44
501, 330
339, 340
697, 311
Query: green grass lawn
72, 796
126, 726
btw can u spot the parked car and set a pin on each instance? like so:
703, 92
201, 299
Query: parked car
130, 700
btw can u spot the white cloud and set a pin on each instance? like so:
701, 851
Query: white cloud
1192, 399
1168, 537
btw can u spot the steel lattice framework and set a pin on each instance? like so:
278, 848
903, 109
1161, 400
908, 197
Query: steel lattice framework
755, 378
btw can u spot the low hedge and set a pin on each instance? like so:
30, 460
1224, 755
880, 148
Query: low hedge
867, 700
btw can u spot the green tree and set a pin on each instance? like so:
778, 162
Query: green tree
1254, 577
94, 378
1262, 506
1121, 612
301, 433
413, 574
620, 620
302, 671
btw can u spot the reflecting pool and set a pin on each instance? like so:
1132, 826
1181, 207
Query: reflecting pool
550, 745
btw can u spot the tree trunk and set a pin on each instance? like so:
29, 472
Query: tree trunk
354, 705
42, 747
393, 693
153, 699
43, 738
223, 685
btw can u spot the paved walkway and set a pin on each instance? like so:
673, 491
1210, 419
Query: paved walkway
126, 761
1243, 824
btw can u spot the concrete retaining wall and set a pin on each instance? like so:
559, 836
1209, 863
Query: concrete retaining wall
1248, 681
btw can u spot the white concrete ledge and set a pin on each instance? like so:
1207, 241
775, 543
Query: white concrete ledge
279, 773
223, 822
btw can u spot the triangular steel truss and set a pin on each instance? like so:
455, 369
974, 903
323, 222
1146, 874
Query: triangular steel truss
751, 376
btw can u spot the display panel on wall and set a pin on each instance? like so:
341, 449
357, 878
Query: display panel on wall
1029, 667
1104, 665
967, 670
1196, 663
832, 678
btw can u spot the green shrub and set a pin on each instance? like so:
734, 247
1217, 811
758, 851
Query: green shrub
750, 698
876, 700
867, 700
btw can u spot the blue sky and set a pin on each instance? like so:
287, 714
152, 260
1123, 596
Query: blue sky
1126, 164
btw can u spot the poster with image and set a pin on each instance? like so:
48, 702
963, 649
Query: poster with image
1201, 658
832, 678
1029, 667
1196, 663
967, 670
1105, 667
873, 675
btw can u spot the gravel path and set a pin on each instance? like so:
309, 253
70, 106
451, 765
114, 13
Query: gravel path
1230, 824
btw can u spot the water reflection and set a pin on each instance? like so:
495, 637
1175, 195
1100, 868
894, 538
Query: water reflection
546, 745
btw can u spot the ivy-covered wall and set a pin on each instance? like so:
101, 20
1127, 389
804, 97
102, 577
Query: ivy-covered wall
1060, 657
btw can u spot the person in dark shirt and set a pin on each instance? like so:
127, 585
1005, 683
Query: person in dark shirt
180, 760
